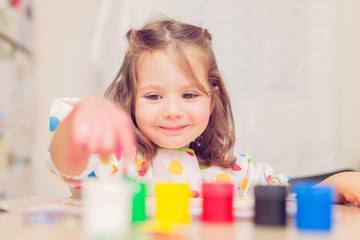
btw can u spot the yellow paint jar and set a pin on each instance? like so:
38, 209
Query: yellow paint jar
172, 202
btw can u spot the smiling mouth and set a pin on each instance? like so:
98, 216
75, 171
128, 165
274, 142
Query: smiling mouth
173, 129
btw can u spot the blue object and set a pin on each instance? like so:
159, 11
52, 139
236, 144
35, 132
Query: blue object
54, 122
92, 175
314, 206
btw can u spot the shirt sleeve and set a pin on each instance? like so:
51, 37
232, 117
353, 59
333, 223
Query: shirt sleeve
60, 109
245, 175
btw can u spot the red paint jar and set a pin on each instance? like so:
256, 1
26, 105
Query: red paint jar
217, 202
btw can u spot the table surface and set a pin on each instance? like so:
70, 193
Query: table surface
13, 225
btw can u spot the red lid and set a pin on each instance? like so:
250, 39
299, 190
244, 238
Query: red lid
217, 189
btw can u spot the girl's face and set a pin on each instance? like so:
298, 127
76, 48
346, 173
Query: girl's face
170, 109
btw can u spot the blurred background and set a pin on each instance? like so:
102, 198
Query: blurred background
292, 69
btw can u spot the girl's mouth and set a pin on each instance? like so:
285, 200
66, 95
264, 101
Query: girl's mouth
173, 129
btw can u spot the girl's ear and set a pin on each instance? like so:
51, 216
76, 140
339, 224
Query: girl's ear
217, 91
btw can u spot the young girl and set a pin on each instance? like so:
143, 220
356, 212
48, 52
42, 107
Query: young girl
168, 102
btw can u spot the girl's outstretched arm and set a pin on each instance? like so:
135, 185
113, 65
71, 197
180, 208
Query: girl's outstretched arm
94, 126
347, 185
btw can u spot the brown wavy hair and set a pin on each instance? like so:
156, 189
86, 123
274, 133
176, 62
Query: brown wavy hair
215, 145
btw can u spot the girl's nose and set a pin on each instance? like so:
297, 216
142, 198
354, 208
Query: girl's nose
173, 109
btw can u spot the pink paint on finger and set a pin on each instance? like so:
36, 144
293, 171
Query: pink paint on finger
118, 155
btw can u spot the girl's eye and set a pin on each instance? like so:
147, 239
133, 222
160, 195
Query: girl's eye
153, 97
190, 95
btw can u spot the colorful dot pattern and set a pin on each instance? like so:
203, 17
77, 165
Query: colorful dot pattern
92, 175
237, 167
175, 168
223, 178
204, 165
244, 184
138, 162
241, 175
195, 194
54, 122
141, 174
105, 161
114, 169
190, 153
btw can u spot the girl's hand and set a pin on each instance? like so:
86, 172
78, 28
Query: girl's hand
94, 126
347, 185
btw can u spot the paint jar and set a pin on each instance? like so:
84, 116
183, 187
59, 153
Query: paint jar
138, 202
314, 206
107, 209
172, 202
217, 202
270, 205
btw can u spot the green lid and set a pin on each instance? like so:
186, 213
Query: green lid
138, 206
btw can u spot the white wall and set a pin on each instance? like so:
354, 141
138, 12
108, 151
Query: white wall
348, 115
62, 31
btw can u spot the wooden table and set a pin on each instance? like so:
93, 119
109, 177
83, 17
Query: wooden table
14, 226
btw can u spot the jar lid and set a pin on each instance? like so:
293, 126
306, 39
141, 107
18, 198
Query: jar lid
217, 189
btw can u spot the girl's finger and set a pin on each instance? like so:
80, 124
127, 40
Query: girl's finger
96, 137
80, 129
77, 158
81, 134
125, 138
108, 141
